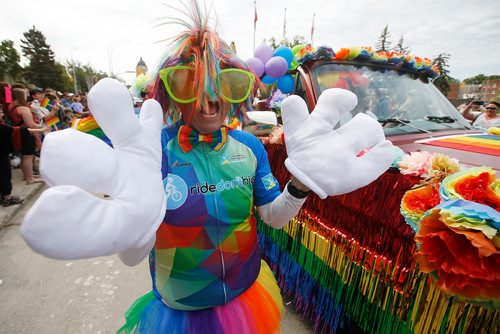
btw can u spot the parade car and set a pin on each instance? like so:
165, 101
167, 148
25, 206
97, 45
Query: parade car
348, 262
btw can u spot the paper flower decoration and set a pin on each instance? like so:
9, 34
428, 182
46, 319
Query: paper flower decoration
276, 99
477, 184
417, 201
399, 156
277, 136
416, 163
433, 167
458, 244
442, 166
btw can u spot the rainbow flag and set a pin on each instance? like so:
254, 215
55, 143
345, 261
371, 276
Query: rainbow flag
485, 144
53, 121
47, 104
90, 126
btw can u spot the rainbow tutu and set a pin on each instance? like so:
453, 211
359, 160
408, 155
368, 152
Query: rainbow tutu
257, 310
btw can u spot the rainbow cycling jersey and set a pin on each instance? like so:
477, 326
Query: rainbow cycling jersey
206, 251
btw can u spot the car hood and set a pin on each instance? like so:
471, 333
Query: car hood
412, 142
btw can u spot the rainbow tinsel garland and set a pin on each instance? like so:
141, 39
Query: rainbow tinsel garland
416, 65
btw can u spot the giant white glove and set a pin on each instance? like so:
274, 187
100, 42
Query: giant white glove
72, 219
324, 159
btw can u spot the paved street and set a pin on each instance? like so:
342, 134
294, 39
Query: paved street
40, 295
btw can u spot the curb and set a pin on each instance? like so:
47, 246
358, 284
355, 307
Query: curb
26, 192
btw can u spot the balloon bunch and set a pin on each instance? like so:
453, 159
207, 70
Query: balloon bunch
272, 66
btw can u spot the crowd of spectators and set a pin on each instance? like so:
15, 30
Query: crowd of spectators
27, 114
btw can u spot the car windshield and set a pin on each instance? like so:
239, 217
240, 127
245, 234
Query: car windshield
399, 102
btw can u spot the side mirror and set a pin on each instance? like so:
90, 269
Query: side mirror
260, 123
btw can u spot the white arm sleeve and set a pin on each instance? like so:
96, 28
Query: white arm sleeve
279, 212
133, 256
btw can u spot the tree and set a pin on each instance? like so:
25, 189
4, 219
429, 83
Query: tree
478, 79
383, 41
286, 42
9, 61
400, 46
42, 69
86, 76
443, 81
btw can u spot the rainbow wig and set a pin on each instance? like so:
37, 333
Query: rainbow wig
201, 48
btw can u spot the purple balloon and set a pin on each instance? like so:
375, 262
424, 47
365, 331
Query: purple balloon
276, 67
263, 52
256, 65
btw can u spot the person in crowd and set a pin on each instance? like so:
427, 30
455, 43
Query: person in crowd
67, 99
489, 117
382, 107
6, 199
56, 117
36, 97
18, 85
77, 107
21, 115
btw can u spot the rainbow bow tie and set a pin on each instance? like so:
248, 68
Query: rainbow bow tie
188, 138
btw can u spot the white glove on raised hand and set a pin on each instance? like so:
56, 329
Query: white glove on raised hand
324, 159
72, 219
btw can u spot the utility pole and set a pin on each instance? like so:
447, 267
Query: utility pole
284, 26
254, 22
75, 85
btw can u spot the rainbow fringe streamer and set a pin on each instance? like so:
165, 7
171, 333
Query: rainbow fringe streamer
335, 281
349, 260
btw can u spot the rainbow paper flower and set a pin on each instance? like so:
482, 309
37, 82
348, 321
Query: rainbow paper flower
477, 184
416, 202
458, 243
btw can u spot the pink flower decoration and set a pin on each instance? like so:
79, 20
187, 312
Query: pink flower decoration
416, 163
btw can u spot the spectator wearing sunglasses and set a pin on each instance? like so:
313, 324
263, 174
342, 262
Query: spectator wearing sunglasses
486, 119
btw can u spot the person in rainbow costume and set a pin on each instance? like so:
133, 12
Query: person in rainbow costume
187, 194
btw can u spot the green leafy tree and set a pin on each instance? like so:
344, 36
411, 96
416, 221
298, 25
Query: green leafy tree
383, 43
478, 79
42, 69
67, 79
400, 47
274, 44
10, 69
86, 76
443, 81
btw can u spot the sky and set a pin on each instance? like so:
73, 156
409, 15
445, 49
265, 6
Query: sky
112, 35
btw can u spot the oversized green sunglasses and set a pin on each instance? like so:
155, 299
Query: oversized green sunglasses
234, 85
